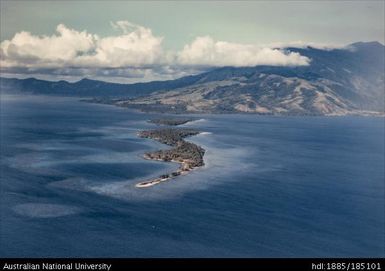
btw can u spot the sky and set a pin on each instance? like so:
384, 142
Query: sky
129, 41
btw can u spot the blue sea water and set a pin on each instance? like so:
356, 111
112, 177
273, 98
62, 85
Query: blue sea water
271, 186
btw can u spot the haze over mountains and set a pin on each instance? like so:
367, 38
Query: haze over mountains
337, 82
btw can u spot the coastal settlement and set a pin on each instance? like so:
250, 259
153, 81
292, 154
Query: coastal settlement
187, 154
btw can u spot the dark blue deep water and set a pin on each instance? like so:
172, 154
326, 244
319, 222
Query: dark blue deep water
271, 187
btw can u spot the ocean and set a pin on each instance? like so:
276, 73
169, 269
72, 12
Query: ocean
270, 187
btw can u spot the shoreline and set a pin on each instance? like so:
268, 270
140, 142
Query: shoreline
188, 155
172, 175
362, 113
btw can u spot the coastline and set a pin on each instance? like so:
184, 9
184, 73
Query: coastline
187, 154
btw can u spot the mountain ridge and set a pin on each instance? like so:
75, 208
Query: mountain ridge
337, 82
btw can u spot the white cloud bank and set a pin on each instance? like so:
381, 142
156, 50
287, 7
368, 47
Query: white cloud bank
135, 48
206, 51
71, 48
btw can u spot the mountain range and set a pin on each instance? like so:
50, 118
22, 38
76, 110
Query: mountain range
337, 82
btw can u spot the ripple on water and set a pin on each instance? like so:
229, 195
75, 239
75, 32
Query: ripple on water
45, 210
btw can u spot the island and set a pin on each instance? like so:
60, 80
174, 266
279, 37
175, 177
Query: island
187, 154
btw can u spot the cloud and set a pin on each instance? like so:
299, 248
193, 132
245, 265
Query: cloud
134, 51
206, 51
27, 50
70, 48
136, 47
303, 45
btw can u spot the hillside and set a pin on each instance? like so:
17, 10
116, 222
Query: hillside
337, 82
90, 88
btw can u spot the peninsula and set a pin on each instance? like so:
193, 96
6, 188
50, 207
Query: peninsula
187, 154
170, 122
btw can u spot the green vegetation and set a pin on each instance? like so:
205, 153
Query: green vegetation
168, 136
186, 153
170, 122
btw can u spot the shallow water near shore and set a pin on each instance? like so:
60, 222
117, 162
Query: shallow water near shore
270, 187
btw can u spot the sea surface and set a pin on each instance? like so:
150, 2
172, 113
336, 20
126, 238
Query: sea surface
271, 186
